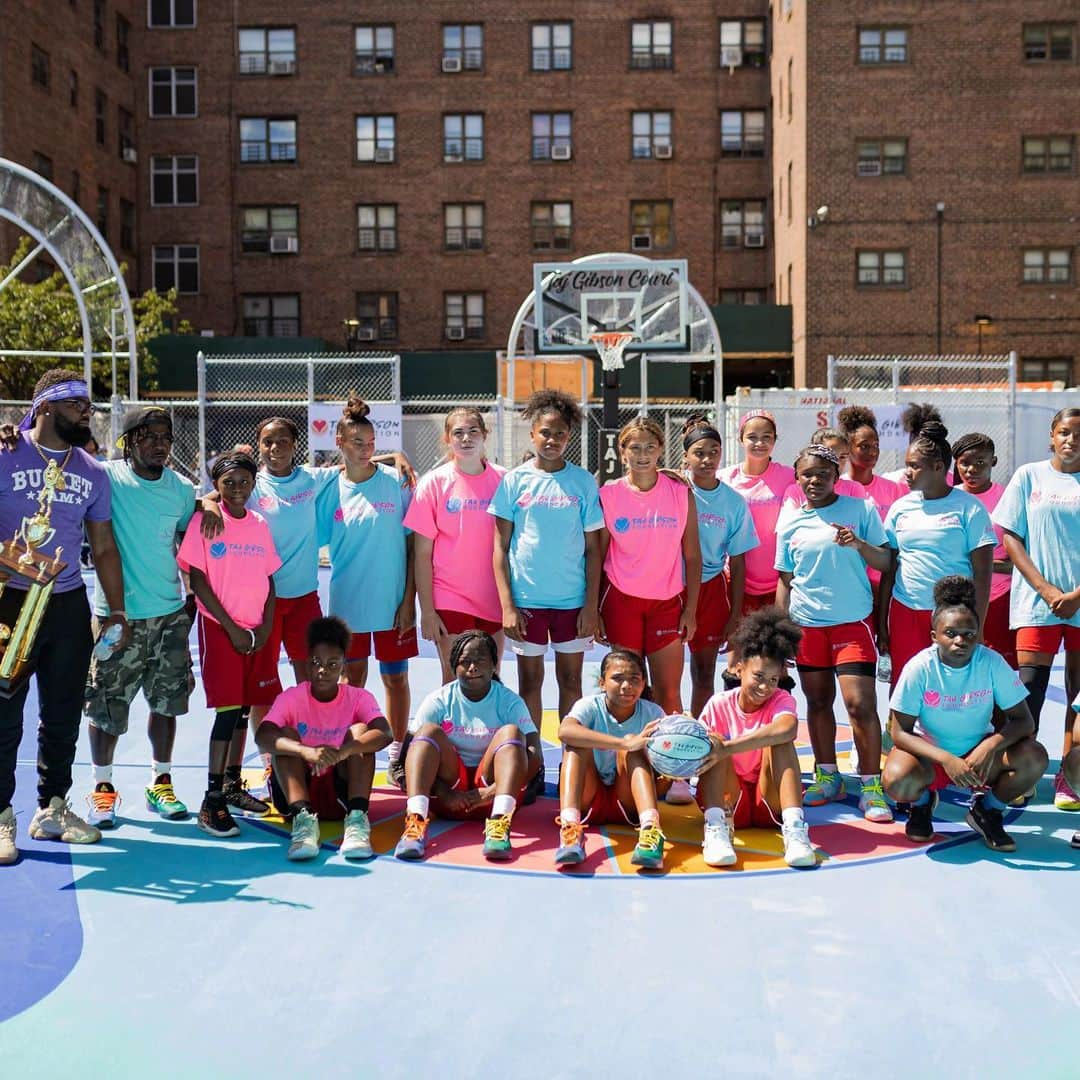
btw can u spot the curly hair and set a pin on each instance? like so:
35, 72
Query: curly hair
768, 632
552, 401
329, 630
915, 417
854, 417
954, 591
54, 376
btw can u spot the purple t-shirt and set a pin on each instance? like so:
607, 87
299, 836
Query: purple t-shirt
86, 497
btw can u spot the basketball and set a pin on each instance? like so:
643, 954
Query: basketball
678, 746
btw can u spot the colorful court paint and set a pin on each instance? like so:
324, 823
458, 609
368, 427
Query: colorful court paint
160, 950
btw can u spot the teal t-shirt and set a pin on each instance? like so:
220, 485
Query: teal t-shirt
148, 517
592, 712
725, 527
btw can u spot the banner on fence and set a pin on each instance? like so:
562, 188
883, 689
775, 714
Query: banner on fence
323, 419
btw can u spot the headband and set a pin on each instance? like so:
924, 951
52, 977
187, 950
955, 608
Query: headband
822, 452
73, 388
705, 431
756, 414
232, 461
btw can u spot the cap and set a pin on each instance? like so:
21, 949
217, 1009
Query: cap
139, 416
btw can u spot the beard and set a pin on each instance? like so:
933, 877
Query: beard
74, 433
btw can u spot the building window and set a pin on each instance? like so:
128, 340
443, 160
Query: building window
39, 67
881, 157
742, 223
263, 139
269, 230
174, 181
373, 50
376, 227
552, 136
101, 103
99, 25
176, 266
650, 44
173, 91
462, 48
376, 139
1046, 369
742, 42
552, 226
267, 52
1048, 41
377, 316
271, 316
881, 268
1048, 153
651, 226
742, 133
125, 124
43, 165
742, 296
127, 225
463, 226
464, 316
171, 13
651, 135
101, 214
463, 137
1050, 266
552, 46
73, 88
123, 36
883, 45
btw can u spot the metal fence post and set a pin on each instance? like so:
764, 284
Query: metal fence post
310, 401
201, 389
1012, 412
830, 385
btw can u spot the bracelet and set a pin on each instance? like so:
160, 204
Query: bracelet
122, 613
252, 633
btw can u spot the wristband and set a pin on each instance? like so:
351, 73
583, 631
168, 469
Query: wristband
122, 613
252, 633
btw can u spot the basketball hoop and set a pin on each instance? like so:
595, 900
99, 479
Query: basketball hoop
611, 345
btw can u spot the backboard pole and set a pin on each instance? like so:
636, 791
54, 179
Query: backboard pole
610, 390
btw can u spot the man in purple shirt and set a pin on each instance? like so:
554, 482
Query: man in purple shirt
54, 430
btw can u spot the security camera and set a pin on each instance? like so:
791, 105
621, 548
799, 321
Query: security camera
822, 213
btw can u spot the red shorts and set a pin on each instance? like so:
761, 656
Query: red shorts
830, 646
644, 625
713, 610
230, 678
457, 622
606, 809
941, 781
467, 780
292, 617
909, 633
1048, 639
557, 625
390, 646
996, 632
757, 601
751, 810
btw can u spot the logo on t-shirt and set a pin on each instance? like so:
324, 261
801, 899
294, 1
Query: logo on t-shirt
302, 729
932, 698
218, 550
267, 502
622, 524
454, 505
551, 502
447, 725
717, 521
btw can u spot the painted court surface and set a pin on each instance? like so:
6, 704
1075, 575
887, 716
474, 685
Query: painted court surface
161, 951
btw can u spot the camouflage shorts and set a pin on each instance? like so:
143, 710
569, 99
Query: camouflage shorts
156, 660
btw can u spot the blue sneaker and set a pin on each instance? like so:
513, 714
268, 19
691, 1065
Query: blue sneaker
571, 843
872, 802
826, 787
411, 844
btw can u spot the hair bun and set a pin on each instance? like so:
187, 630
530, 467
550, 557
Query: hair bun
935, 430
356, 408
954, 591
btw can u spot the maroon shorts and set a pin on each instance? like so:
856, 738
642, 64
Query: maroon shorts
467, 780
751, 810
390, 646
1047, 639
830, 646
909, 633
557, 625
644, 625
292, 617
231, 678
996, 632
326, 792
457, 622
713, 611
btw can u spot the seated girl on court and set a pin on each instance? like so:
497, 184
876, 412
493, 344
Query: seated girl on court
943, 724
465, 755
604, 767
322, 737
752, 779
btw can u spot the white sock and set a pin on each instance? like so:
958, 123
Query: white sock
570, 816
417, 804
791, 815
828, 768
869, 776
393, 752
715, 815
159, 768
649, 817
102, 774
503, 806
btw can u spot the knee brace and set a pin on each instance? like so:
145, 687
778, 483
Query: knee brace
226, 722
1036, 679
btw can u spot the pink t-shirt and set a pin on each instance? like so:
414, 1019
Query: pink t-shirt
844, 486
323, 723
237, 564
450, 509
723, 716
898, 477
884, 492
764, 495
999, 583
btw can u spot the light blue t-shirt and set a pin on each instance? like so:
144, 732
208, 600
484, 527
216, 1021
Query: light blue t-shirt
934, 538
592, 712
725, 527
148, 517
362, 523
471, 725
829, 585
551, 513
952, 706
1042, 507
288, 504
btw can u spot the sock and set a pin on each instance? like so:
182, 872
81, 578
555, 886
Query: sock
417, 804
570, 816
715, 815
300, 804
650, 817
393, 752
869, 776
357, 804
791, 815
923, 799
158, 769
103, 774
232, 774
992, 802
829, 768
215, 783
503, 806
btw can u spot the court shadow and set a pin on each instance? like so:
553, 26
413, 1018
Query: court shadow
1039, 847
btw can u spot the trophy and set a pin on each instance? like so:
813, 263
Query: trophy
19, 557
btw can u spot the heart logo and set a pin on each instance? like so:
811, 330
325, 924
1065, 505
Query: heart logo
302, 729
217, 551
932, 698
622, 524
266, 502
447, 726
339, 514
666, 744
525, 500
319, 426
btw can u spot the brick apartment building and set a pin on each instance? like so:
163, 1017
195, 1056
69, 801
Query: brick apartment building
388, 173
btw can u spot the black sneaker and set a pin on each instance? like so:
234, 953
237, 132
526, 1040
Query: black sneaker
395, 773
920, 823
237, 795
535, 788
987, 823
214, 816
1075, 842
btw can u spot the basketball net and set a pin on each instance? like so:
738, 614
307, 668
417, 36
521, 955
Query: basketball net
611, 345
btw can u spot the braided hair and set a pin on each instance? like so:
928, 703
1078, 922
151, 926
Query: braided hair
974, 440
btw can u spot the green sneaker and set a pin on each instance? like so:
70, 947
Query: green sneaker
649, 852
161, 799
497, 838
872, 802
826, 787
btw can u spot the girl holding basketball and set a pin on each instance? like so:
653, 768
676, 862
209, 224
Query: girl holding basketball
751, 779
959, 716
1040, 513
466, 756
606, 777
725, 533
822, 552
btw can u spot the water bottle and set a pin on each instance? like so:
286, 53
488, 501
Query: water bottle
108, 641
884, 668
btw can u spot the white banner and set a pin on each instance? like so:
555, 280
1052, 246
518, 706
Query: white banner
323, 420
891, 433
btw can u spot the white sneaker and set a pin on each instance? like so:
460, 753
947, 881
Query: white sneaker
59, 822
305, 836
798, 851
8, 851
679, 794
717, 846
356, 843
102, 806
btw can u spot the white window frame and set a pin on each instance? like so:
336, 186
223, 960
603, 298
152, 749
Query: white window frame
175, 261
173, 85
739, 220
172, 24
384, 327
862, 154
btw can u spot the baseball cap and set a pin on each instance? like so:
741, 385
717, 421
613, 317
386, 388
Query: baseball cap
140, 416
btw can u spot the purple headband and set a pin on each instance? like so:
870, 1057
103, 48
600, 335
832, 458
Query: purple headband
756, 414
74, 388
